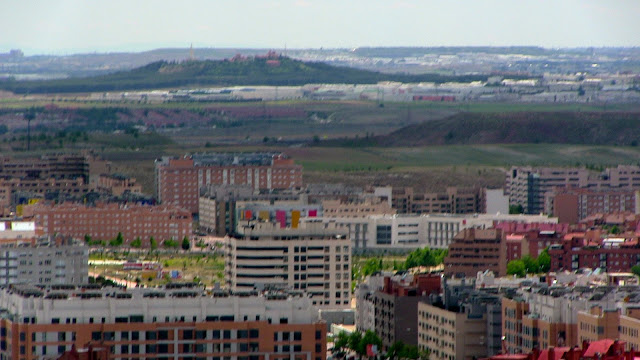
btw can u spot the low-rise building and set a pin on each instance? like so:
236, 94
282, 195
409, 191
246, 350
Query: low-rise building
106, 221
44, 264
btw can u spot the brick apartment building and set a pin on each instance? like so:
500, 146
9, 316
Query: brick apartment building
617, 253
573, 205
453, 201
173, 322
527, 186
66, 173
105, 221
474, 250
179, 180
388, 305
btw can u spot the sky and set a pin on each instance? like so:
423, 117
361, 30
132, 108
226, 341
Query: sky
81, 26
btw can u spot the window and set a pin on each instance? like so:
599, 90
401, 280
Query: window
297, 336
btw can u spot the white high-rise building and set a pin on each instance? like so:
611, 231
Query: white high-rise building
314, 257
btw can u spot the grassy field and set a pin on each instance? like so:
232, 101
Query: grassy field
207, 268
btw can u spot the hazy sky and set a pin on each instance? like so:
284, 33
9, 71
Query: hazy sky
69, 26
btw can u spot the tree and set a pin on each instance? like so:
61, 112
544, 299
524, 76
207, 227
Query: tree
636, 269
354, 340
530, 264
544, 261
186, 245
516, 267
136, 243
87, 239
516, 209
341, 341
118, 241
369, 338
170, 243
153, 243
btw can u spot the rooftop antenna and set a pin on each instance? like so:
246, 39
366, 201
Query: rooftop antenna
191, 55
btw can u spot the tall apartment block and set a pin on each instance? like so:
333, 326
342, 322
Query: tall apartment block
313, 257
179, 180
527, 186
171, 323
105, 221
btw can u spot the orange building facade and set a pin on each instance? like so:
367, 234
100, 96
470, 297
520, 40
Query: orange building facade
105, 221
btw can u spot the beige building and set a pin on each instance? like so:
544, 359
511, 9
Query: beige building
366, 207
314, 257
598, 324
449, 335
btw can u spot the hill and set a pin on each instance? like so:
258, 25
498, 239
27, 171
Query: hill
275, 71
588, 128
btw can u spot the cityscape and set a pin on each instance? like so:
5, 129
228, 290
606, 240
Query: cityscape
388, 185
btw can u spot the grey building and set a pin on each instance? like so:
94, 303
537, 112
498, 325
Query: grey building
44, 265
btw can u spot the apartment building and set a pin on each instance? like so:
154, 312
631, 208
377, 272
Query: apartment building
362, 208
179, 180
118, 184
43, 264
451, 335
453, 201
395, 307
175, 322
556, 316
617, 253
573, 205
527, 186
314, 257
474, 250
52, 173
105, 221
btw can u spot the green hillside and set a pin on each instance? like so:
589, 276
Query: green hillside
253, 71
586, 128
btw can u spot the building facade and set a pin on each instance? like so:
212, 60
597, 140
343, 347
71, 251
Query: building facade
474, 250
179, 180
453, 201
313, 258
170, 323
527, 186
44, 265
573, 205
105, 221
